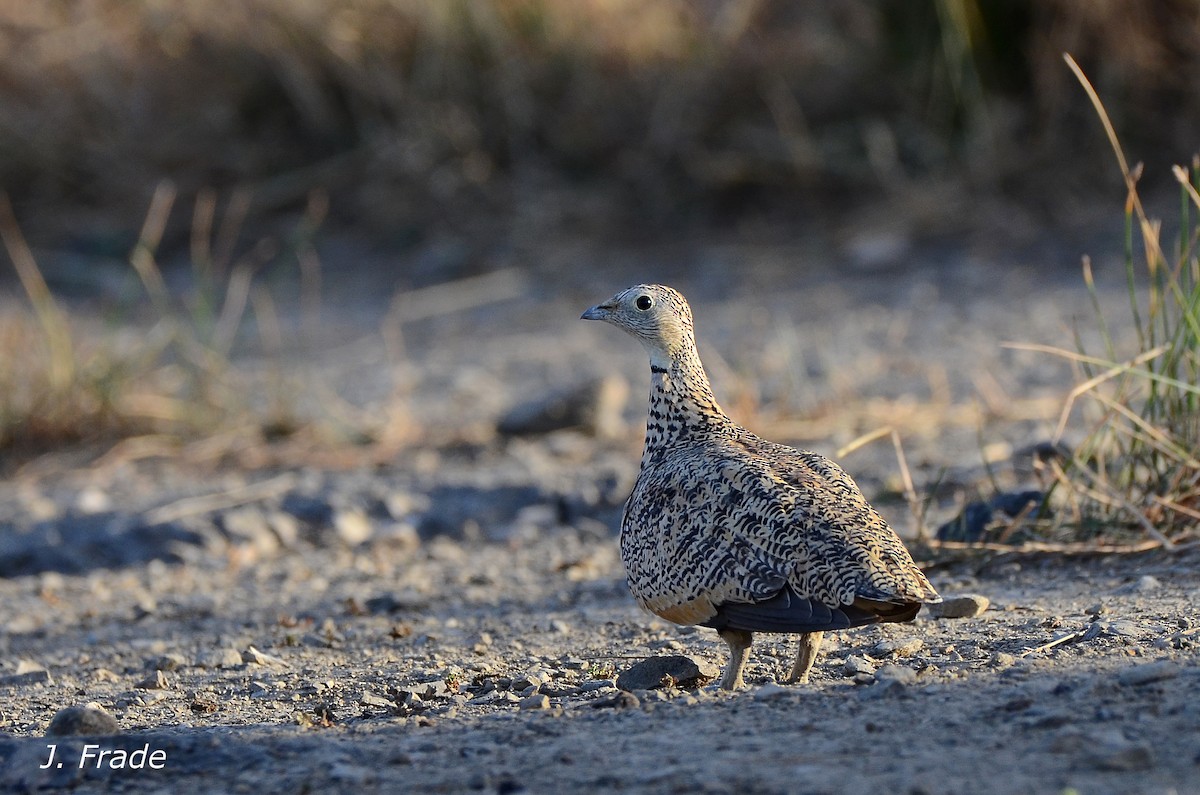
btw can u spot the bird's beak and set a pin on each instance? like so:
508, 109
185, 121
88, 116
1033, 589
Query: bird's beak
598, 312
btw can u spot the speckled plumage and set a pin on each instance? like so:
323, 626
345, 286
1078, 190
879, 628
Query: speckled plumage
730, 531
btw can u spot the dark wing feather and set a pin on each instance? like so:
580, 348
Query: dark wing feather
787, 611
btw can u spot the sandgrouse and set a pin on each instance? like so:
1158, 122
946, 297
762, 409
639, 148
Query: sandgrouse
729, 531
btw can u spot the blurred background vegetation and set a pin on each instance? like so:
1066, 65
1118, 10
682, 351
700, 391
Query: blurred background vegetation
448, 140
624, 115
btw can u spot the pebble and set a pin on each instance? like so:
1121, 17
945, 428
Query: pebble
149, 698
249, 526
36, 677
1105, 750
1003, 660
898, 647
221, 658
676, 670
353, 527
1121, 628
167, 662
856, 665
966, 606
896, 673
89, 719
204, 704
773, 692
155, 681
535, 701
1150, 672
370, 699
622, 699
1144, 584
253, 655
594, 407
530, 679
93, 500
593, 685
890, 680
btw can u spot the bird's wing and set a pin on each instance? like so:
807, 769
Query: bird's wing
852, 552
712, 530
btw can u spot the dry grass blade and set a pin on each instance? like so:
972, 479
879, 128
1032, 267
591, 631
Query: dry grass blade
1142, 449
51, 318
910, 491
231, 498
1089, 385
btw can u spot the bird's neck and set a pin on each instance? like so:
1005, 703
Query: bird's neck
682, 405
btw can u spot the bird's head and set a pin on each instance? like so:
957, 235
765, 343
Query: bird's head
657, 316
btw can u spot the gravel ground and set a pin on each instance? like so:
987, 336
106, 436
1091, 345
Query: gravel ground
455, 618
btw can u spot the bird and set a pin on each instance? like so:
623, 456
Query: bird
726, 530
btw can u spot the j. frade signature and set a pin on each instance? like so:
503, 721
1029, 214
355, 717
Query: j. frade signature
93, 755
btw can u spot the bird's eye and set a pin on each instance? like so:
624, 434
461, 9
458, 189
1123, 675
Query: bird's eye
644, 302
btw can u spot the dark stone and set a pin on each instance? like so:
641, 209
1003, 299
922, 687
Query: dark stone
676, 670
87, 720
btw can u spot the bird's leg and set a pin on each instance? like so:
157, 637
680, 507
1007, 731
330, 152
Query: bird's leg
739, 643
810, 645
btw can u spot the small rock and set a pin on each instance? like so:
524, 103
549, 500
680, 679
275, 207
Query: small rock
594, 407
90, 719
39, 676
93, 500
1150, 672
773, 692
438, 688
1003, 660
353, 527
253, 655
285, 526
1126, 629
574, 664
248, 526
530, 679
856, 665
310, 509
899, 647
1144, 584
370, 699
221, 658
675, 670
622, 699
897, 673
1106, 750
967, 606
167, 662
155, 681
535, 701
592, 685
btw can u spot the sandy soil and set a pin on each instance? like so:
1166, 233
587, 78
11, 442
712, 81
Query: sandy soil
454, 619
